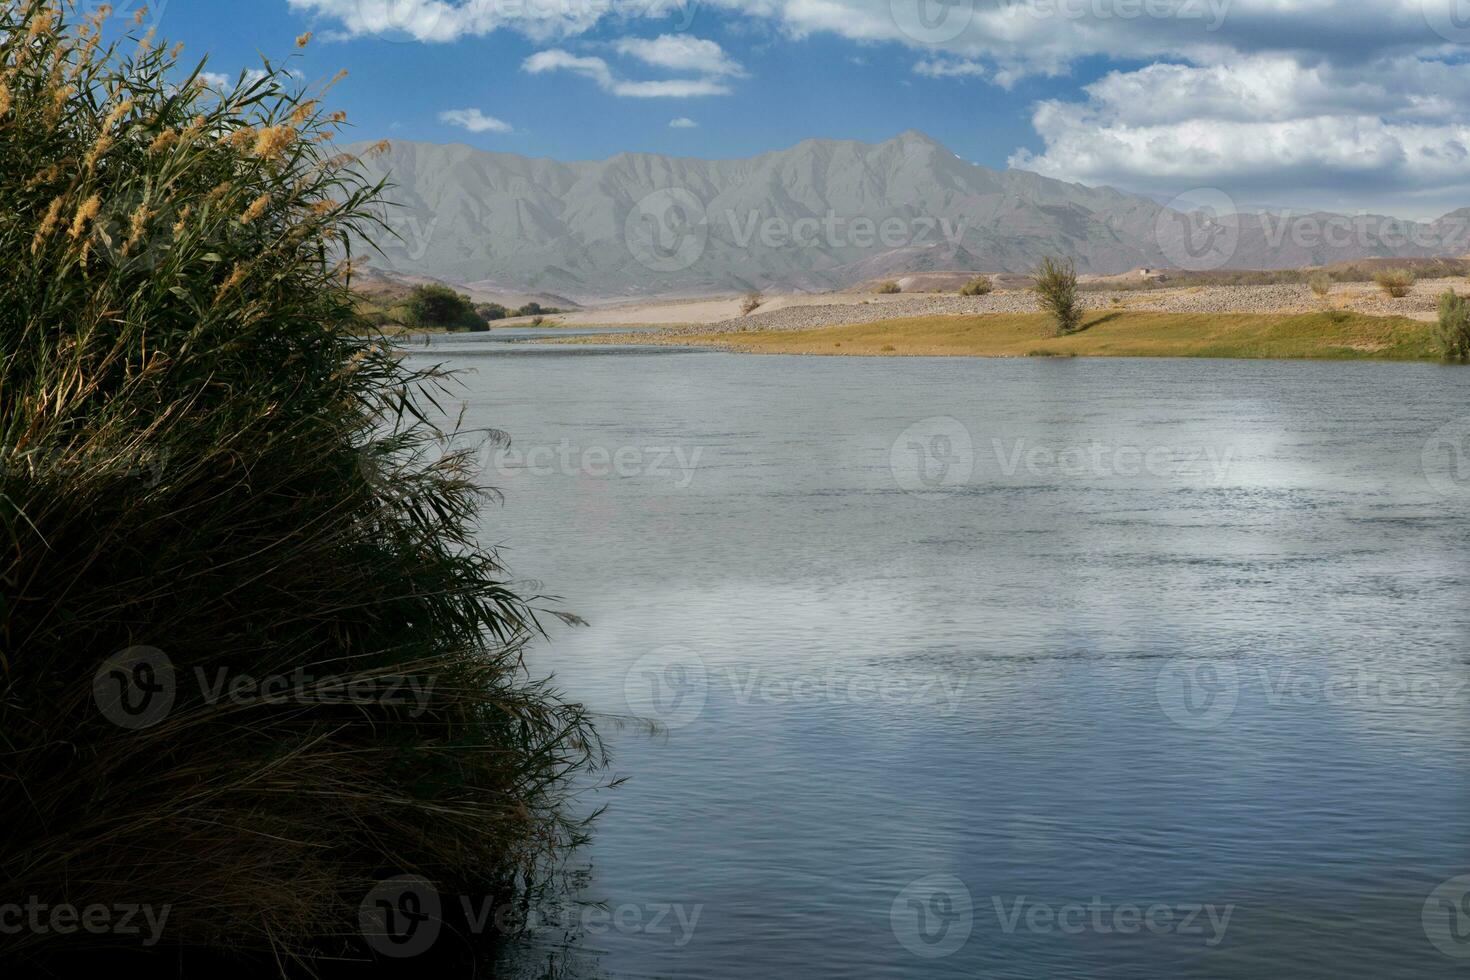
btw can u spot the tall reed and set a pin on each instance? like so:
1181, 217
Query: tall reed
204, 456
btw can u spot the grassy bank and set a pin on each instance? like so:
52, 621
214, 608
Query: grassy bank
253, 658
1330, 335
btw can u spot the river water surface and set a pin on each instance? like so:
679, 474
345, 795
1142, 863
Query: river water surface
1004, 668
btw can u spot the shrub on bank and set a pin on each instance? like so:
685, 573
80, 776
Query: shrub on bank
979, 286
1396, 283
889, 288
1452, 332
209, 474
1056, 288
1321, 284
436, 306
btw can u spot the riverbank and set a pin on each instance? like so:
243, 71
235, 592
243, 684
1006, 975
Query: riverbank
1334, 335
806, 311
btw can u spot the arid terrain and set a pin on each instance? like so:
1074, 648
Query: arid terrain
805, 312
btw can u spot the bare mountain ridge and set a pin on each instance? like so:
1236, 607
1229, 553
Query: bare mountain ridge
821, 215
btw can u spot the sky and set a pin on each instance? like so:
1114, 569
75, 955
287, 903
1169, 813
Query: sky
1345, 105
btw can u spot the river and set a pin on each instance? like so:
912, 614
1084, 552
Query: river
1003, 668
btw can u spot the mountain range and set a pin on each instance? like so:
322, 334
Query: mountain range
822, 215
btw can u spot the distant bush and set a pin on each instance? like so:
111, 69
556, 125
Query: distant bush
1396, 282
1056, 287
490, 312
889, 288
434, 305
1453, 330
979, 286
751, 303
1321, 284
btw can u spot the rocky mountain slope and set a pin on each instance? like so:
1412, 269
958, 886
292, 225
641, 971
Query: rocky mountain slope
821, 215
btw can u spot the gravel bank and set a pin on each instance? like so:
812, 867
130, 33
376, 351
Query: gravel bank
1358, 297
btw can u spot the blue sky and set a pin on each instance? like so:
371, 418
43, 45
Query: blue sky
1342, 104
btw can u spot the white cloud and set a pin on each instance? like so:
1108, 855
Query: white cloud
1394, 133
683, 122
680, 52
950, 68
558, 60
598, 71
475, 121
1040, 34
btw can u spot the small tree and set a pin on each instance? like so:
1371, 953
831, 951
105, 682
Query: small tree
1453, 330
1396, 282
1321, 284
434, 305
1056, 288
751, 303
979, 286
889, 288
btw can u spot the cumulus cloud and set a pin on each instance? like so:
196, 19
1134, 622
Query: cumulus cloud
1396, 132
599, 71
475, 121
680, 52
683, 122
